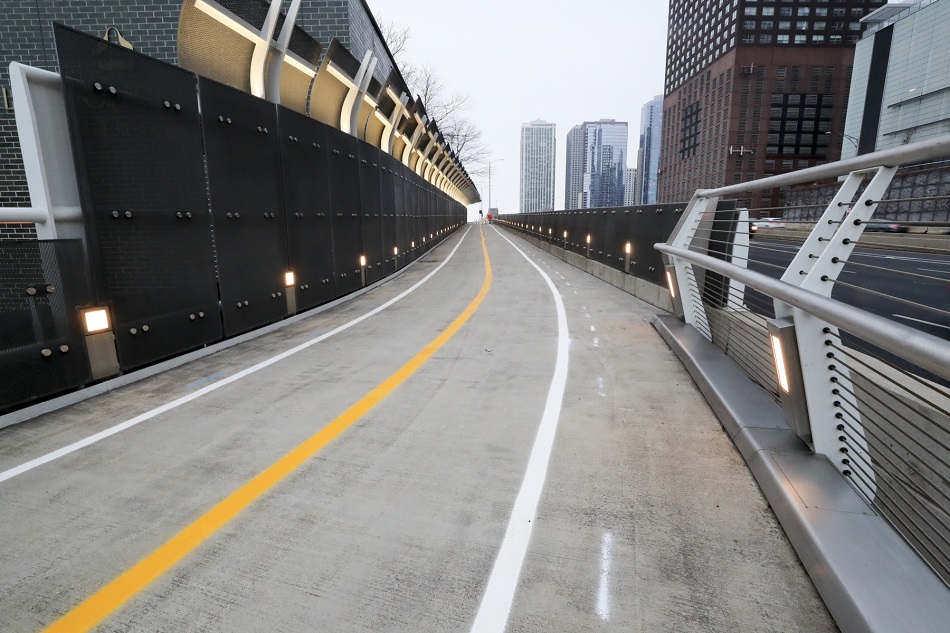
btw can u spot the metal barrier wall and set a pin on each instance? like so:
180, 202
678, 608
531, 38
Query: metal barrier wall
206, 212
621, 238
846, 328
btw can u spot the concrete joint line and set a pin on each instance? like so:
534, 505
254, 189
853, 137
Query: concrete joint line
148, 415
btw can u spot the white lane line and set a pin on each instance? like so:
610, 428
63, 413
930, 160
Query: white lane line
500, 592
901, 316
148, 415
603, 590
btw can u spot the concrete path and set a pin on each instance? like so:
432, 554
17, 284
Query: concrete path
393, 517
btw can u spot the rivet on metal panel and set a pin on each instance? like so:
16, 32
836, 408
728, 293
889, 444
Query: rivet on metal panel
64, 348
220, 118
112, 90
237, 215
201, 315
50, 289
273, 295
133, 331
265, 130
639, 211
115, 214
31, 291
228, 120
245, 303
260, 129
240, 305
179, 215
97, 86
351, 156
230, 215
167, 104
337, 152
191, 316
280, 294
47, 352
145, 328
128, 214
188, 215
178, 107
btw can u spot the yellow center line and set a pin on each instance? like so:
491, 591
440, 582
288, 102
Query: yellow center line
111, 597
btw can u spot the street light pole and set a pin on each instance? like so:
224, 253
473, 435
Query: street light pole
489, 181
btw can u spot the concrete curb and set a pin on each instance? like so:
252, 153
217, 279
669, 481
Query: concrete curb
869, 577
657, 296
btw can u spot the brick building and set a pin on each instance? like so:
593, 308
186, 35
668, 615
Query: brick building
152, 27
754, 88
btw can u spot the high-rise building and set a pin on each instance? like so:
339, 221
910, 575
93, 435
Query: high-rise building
574, 171
629, 186
898, 92
537, 166
754, 88
596, 160
648, 156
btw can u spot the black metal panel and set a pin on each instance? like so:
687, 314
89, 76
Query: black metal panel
648, 226
412, 216
597, 228
345, 198
400, 187
616, 237
137, 144
243, 148
371, 211
388, 209
42, 286
306, 184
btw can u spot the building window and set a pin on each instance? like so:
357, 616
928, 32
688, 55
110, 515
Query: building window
765, 38
837, 26
749, 25
750, 10
854, 26
748, 39
768, 10
802, 11
857, 12
786, 11
800, 39
802, 25
767, 25
821, 12
838, 12
783, 39
689, 141
820, 26
784, 25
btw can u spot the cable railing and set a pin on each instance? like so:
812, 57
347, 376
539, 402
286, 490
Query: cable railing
862, 300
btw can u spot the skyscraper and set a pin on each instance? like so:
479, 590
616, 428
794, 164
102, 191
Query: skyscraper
648, 156
537, 166
574, 172
629, 186
753, 89
596, 160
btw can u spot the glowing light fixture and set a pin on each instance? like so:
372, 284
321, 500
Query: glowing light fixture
779, 357
565, 234
96, 320
588, 238
669, 282
413, 243
362, 260
628, 248
395, 250
289, 279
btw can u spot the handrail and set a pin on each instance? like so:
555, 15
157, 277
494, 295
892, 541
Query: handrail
924, 350
900, 156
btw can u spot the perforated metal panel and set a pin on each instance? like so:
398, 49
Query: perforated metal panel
345, 199
371, 210
306, 183
387, 190
242, 143
648, 226
42, 287
137, 146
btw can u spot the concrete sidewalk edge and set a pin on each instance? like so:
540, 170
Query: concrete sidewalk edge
869, 577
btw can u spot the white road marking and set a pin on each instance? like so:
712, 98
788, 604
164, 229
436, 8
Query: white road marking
148, 415
901, 316
593, 328
603, 590
596, 342
500, 592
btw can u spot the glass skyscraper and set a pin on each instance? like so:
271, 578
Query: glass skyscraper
596, 161
648, 156
537, 166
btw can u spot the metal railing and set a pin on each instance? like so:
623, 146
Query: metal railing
848, 330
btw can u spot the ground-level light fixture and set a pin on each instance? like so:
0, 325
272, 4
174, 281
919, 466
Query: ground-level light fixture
670, 284
362, 260
550, 231
289, 278
96, 320
588, 238
565, 234
628, 248
395, 250
413, 243
788, 374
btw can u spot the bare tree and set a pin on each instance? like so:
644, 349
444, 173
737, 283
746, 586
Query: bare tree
447, 109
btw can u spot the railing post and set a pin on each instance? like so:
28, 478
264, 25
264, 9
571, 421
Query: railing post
828, 389
680, 275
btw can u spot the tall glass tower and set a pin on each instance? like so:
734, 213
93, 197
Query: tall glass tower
648, 157
596, 161
537, 166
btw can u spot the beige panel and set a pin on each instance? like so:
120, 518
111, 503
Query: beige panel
209, 48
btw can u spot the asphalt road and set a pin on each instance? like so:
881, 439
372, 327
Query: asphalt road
916, 284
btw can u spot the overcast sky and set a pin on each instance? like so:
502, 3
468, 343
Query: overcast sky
561, 61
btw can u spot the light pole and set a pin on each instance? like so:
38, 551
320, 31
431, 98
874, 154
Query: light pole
489, 181
847, 136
